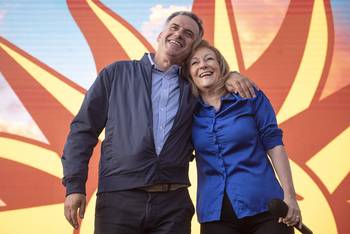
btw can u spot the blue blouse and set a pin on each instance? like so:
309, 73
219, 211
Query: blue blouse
231, 147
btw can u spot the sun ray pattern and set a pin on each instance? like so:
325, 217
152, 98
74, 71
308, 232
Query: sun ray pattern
223, 39
333, 158
31, 155
311, 66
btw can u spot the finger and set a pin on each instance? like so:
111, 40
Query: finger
73, 216
289, 217
295, 218
246, 90
68, 215
300, 221
240, 90
82, 209
251, 88
300, 224
230, 88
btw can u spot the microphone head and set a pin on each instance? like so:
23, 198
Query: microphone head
278, 208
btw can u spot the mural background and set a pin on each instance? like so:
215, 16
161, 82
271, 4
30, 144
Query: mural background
298, 52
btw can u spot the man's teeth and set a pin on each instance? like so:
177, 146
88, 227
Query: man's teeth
176, 43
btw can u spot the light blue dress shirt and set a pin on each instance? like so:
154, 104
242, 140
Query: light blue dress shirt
165, 102
231, 147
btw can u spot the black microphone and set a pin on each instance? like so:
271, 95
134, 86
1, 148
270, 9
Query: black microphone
279, 208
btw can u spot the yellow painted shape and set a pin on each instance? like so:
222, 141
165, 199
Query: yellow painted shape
70, 98
311, 67
223, 39
335, 157
314, 200
131, 44
31, 155
193, 193
43, 219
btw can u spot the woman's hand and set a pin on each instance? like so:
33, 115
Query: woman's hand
293, 217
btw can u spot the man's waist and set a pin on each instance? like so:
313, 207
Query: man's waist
144, 180
163, 187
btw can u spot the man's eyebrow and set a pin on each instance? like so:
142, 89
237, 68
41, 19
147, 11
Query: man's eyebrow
189, 31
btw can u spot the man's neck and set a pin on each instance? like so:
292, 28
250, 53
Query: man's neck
164, 62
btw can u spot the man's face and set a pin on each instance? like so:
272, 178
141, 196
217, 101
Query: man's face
175, 41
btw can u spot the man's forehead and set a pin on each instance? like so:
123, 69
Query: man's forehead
185, 21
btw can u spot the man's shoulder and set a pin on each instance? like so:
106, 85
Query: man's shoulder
121, 64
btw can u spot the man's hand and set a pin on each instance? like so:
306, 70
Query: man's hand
72, 203
242, 85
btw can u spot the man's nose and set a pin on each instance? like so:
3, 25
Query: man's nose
179, 33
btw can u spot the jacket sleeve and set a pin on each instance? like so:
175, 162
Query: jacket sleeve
265, 117
83, 136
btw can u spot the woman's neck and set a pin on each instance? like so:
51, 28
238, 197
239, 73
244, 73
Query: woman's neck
213, 98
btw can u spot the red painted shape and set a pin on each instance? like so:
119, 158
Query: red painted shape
24, 187
206, 11
51, 117
105, 48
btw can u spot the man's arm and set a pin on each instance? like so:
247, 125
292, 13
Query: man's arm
82, 138
238, 83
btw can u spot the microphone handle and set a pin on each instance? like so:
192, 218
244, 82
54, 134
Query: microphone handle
304, 229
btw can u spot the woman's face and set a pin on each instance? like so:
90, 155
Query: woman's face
204, 69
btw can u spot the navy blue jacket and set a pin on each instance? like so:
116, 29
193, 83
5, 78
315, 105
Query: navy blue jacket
120, 101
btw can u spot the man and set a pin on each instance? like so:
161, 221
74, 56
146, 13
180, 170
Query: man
146, 110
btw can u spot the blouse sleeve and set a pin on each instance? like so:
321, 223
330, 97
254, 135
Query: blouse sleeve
265, 117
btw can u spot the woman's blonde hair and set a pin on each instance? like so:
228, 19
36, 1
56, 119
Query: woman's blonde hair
224, 67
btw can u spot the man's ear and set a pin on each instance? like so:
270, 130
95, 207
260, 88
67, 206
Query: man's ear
159, 36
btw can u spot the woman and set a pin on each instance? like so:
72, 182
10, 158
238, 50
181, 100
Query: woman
232, 137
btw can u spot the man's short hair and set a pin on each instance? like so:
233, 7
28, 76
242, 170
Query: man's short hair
192, 16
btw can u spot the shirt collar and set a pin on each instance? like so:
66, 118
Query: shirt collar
227, 97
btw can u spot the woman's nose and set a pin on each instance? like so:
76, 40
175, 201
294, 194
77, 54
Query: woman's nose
203, 65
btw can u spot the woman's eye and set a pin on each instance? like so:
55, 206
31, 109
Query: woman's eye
194, 63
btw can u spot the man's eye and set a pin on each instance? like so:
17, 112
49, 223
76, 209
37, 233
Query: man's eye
188, 34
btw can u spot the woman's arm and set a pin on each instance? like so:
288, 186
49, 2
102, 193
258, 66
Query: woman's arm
281, 165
